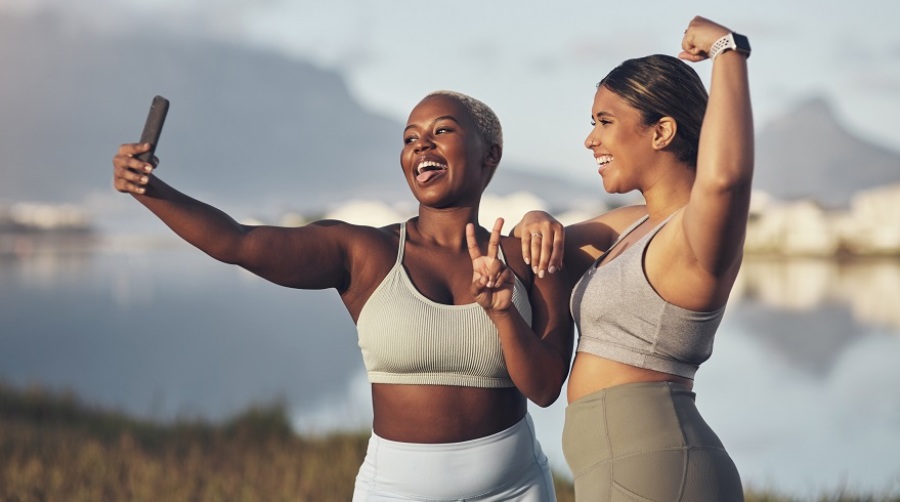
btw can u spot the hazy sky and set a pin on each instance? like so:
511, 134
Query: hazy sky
536, 62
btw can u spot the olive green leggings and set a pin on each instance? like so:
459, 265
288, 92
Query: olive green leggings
646, 442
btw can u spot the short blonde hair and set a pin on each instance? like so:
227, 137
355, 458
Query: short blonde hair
485, 119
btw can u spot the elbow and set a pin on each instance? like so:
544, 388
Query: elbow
238, 249
734, 180
549, 393
225, 254
546, 398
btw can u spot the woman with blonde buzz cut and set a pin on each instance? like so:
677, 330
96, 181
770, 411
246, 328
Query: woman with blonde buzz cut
456, 335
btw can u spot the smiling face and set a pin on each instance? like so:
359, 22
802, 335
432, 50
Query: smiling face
620, 142
445, 159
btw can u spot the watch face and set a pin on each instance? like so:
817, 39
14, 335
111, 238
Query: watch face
742, 44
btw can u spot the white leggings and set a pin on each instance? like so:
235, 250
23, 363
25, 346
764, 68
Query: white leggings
508, 465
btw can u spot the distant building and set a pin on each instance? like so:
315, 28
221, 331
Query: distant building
872, 226
28, 217
804, 228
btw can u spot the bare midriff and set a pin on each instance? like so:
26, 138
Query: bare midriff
443, 413
592, 373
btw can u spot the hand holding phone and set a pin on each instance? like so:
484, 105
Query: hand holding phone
153, 126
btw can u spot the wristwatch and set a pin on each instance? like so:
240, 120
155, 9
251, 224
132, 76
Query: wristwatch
732, 41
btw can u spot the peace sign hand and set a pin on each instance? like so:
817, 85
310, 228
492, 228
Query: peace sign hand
492, 280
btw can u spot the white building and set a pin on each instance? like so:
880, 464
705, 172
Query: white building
803, 228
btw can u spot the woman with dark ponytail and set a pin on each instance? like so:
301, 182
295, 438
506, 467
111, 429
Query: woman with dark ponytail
651, 282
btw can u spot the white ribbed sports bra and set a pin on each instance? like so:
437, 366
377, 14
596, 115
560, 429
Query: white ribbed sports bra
407, 338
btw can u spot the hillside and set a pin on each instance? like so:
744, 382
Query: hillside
806, 153
243, 124
268, 130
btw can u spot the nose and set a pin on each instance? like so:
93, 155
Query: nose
424, 143
591, 141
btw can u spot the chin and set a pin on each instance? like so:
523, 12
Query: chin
608, 187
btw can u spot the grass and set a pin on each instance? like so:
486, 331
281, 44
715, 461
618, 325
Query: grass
54, 447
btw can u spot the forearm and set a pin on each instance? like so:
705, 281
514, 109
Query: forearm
203, 226
725, 156
536, 367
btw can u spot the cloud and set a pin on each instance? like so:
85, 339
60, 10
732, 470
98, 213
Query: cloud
219, 19
876, 82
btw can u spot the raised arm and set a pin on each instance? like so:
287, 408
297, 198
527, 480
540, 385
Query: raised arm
715, 218
537, 356
310, 257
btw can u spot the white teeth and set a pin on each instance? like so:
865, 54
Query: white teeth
428, 163
603, 160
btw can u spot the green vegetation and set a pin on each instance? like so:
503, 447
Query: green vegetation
54, 447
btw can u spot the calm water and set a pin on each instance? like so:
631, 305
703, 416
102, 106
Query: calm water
803, 386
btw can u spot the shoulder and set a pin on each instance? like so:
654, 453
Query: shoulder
616, 220
343, 229
587, 240
367, 237
369, 254
357, 241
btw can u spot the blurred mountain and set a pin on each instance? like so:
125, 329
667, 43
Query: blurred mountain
260, 128
806, 153
244, 125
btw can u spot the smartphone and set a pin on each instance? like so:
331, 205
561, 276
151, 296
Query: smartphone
153, 126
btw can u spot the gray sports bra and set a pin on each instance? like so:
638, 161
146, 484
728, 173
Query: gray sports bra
407, 338
621, 317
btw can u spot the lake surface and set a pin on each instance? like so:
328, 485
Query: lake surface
803, 386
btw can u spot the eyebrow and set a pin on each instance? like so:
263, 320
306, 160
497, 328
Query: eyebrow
442, 117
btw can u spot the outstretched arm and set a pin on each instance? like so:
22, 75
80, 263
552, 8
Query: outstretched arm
311, 257
537, 357
715, 218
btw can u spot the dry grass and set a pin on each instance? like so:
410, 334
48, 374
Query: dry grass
54, 448
57, 449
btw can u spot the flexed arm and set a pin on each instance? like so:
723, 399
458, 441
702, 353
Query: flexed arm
311, 257
716, 215
537, 357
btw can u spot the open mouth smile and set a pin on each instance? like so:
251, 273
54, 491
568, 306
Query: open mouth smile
429, 169
603, 161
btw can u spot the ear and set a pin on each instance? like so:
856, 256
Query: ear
492, 159
664, 132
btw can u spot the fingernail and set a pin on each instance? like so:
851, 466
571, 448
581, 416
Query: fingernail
541, 274
534, 269
145, 179
148, 168
527, 261
552, 269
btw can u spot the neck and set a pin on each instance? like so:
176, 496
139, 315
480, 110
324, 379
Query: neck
445, 227
670, 193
